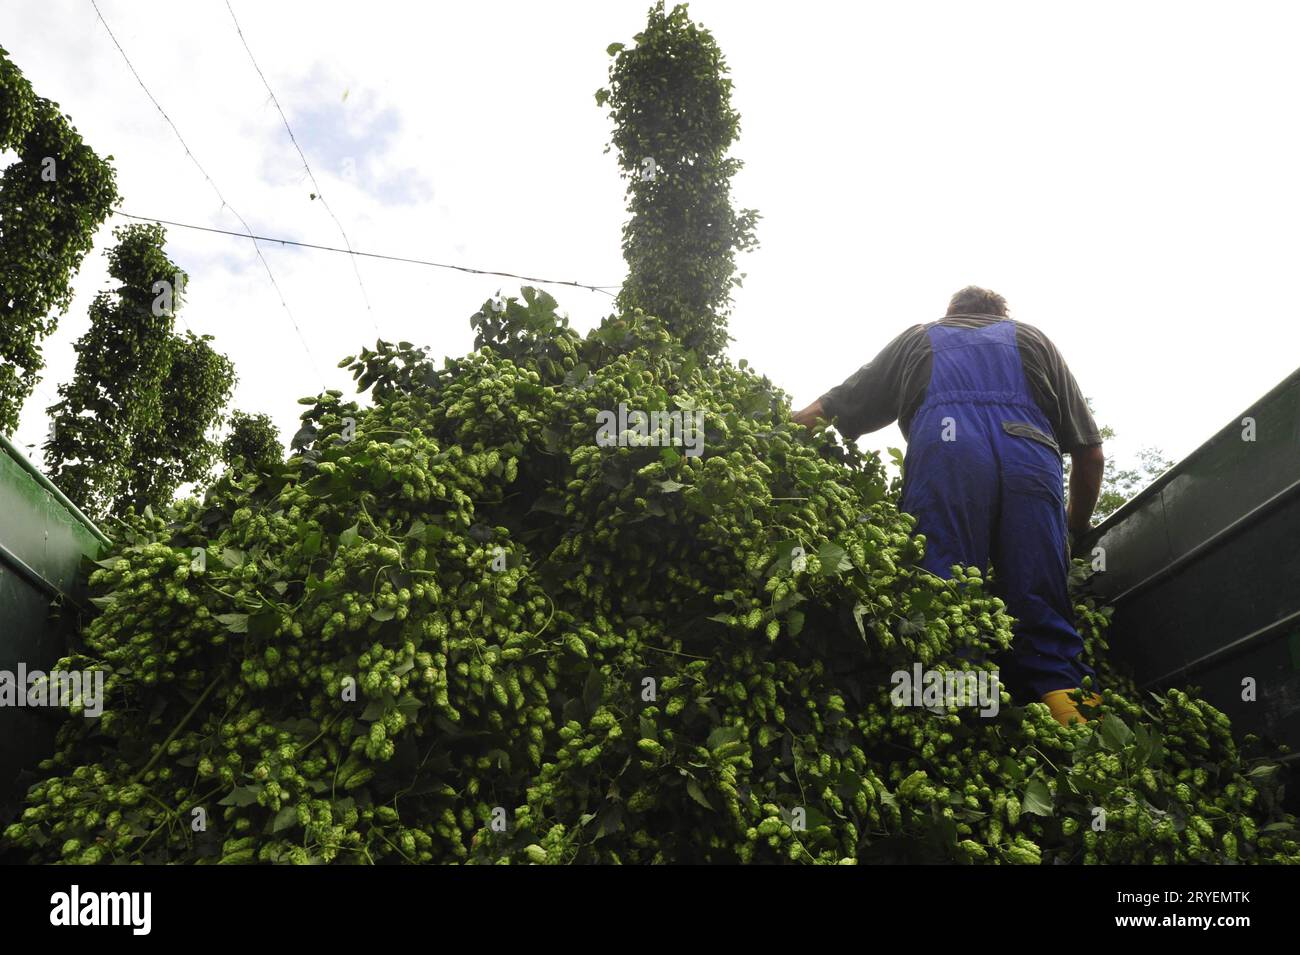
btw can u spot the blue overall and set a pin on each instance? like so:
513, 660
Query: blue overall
980, 493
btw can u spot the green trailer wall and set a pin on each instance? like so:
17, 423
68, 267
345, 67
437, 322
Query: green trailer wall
43, 538
1203, 570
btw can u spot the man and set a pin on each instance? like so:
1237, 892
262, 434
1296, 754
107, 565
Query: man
988, 406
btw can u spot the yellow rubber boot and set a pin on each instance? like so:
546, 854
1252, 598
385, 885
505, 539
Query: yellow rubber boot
1065, 710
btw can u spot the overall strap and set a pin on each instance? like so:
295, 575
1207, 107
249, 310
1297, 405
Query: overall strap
977, 365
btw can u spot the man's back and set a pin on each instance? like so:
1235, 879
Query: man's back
893, 385
988, 405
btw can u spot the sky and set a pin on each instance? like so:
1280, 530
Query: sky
1123, 173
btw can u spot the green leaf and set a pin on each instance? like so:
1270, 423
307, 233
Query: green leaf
234, 622
813, 817
912, 626
409, 706
579, 377
611, 820
1114, 732
242, 796
232, 557
724, 734
791, 599
549, 503
920, 600
1012, 769
349, 537
693, 790
303, 727
613, 48
795, 622
834, 559
859, 611
1038, 798
784, 557
1147, 746
285, 819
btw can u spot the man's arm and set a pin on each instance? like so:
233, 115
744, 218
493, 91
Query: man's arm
810, 415
1076, 430
1087, 464
868, 400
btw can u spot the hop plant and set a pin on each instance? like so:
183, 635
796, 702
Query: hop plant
452, 627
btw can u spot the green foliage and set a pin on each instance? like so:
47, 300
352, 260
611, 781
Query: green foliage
133, 423
52, 199
198, 385
253, 442
452, 627
670, 102
1120, 485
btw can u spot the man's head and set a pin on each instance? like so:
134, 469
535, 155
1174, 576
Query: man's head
973, 300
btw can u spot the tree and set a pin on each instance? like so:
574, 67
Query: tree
132, 424
198, 385
1122, 485
253, 441
52, 200
670, 102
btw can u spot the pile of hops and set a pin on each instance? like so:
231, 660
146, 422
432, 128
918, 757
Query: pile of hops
456, 627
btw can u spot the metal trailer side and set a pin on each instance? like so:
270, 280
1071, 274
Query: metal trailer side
43, 539
1203, 570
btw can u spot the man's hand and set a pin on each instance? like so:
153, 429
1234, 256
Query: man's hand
809, 416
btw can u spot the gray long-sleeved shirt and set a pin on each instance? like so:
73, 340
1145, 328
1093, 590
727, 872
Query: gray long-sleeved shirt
892, 386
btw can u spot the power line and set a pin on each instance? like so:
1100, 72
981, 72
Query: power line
48, 396
315, 185
373, 255
224, 204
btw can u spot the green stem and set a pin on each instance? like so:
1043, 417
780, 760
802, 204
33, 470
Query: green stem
176, 732
548, 619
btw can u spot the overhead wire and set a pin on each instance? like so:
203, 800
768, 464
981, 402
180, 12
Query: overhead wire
374, 255
248, 232
318, 193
